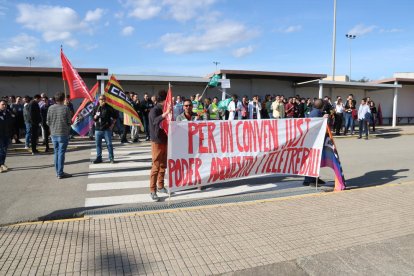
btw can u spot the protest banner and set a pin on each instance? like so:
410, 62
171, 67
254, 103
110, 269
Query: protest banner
82, 120
208, 152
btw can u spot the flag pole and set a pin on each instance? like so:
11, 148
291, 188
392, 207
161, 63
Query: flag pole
205, 89
63, 77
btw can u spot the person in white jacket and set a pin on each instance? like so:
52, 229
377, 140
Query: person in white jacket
254, 108
364, 114
234, 108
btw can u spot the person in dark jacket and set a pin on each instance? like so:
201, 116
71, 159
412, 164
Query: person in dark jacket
105, 117
43, 115
146, 105
6, 131
159, 141
35, 120
17, 109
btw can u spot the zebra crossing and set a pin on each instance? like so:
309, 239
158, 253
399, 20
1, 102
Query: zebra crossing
127, 181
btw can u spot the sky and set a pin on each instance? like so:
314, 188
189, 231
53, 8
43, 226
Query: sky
187, 37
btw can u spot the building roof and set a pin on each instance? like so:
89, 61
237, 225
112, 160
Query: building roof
369, 86
287, 76
47, 71
406, 81
157, 79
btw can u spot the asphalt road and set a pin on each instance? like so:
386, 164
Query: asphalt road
30, 190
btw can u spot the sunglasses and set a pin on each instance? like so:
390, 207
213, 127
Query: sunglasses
187, 105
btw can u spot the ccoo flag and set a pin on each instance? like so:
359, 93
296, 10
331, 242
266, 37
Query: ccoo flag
77, 87
214, 81
82, 120
116, 98
330, 158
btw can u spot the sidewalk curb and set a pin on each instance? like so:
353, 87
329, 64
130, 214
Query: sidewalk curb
189, 209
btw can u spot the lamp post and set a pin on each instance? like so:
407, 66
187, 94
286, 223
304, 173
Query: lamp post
30, 60
216, 63
350, 38
334, 43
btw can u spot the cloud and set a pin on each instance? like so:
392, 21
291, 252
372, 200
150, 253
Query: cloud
57, 23
393, 30
241, 52
94, 15
15, 51
127, 31
290, 29
226, 34
183, 10
179, 10
143, 9
361, 29
54, 22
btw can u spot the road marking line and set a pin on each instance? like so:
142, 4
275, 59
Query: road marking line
120, 165
117, 185
118, 174
183, 195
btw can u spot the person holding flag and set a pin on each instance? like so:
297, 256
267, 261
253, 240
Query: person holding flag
159, 142
105, 117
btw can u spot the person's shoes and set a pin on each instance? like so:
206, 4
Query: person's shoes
26, 147
124, 142
154, 197
135, 141
91, 138
34, 152
4, 168
147, 139
359, 137
18, 142
97, 161
163, 190
112, 161
64, 175
46, 150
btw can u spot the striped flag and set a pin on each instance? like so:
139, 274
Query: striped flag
82, 120
330, 158
116, 98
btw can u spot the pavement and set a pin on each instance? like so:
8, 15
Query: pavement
367, 230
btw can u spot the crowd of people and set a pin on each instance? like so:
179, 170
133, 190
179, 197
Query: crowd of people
28, 118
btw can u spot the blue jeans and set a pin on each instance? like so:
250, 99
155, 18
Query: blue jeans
349, 122
363, 127
28, 134
4, 143
60, 143
107, 135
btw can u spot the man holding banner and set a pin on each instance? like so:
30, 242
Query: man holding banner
316, 112
159, 141
105, 117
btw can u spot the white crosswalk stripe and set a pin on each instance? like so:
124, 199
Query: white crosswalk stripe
127, 181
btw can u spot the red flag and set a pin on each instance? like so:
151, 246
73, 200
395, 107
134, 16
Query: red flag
77, 87
168, 102
92, 92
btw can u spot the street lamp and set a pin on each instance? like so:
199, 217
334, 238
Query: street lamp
350, 38
30, 60
216, 63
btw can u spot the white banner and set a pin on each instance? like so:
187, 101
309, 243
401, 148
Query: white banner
208, 152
